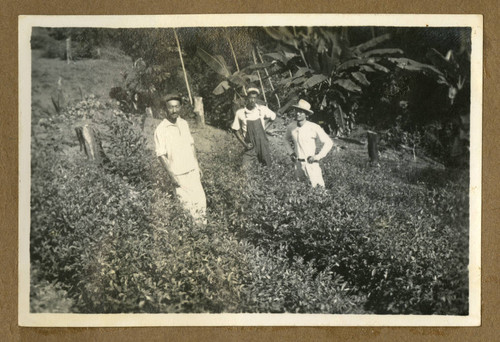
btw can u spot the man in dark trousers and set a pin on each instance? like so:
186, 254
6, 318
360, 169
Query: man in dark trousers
249, 126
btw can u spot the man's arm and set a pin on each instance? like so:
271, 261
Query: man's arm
269, 117
166, 165
196, 158
236, 127
326, 141
240, 138
269, 122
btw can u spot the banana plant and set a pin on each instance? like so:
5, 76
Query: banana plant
322, 57
238, 80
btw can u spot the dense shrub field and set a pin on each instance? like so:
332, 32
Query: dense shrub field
113, 238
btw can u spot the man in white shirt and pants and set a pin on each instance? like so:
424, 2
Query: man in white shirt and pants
175, 150
303, 134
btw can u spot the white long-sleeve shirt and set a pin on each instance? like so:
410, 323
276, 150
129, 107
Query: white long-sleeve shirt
304, 140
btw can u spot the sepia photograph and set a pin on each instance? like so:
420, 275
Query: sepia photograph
277, 170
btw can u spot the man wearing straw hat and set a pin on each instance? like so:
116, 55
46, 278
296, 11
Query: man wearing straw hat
175, 150
249, 126
304, 135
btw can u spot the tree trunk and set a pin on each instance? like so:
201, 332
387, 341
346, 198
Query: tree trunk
198, 109
373, 139
91, 144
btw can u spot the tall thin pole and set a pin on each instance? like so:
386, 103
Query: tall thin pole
234, 56
268, 78
183, 68
258, 73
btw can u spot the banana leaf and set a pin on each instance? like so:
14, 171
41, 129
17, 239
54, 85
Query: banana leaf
282, 56
286, 81
302, 71
340, 95
412, 65
216, 63
299, 80
380, 52
352, 63
378, 67
366, 68
348, 85
282, 34
237, 80
221, 88
314, 80
258, 66
371, 43
361, 78
447, 62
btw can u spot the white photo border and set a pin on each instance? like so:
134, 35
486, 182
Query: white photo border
26, 23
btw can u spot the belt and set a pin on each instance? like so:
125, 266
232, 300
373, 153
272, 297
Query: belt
304, 160
185, 173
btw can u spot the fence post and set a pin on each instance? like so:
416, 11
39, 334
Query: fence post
199, 110
68, 50
91, 144
373, 139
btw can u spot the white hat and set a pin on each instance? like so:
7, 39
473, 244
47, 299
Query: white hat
253, 90
304, 105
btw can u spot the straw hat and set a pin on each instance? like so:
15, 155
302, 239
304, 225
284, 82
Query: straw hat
304, 105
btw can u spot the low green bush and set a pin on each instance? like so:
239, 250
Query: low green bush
115, 239
402, 245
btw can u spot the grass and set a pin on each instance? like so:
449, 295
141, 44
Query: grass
78, 79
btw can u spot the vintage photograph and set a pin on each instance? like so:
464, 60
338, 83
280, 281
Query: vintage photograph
308, 171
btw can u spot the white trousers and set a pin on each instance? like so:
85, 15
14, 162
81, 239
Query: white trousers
191, 195
312, 172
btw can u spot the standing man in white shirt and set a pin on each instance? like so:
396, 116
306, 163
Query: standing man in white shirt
303, 134
250, 125
175, 150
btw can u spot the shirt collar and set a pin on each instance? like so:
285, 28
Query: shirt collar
166, 122
249, 111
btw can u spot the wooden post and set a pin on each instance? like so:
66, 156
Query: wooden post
68, 50
198, 109
183, 68
373, 139
58, 99
91, 144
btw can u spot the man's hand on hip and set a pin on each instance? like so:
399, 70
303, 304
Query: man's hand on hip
175, 181
312, 159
